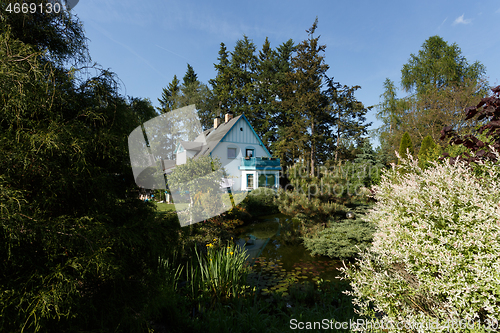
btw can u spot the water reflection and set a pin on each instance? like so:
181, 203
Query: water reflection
272, 239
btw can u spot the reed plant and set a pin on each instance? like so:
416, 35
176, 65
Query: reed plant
219, 274
223, 271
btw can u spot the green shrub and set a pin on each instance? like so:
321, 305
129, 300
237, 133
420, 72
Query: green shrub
307, 208
261, 202
436, 251
342, 240
429, 151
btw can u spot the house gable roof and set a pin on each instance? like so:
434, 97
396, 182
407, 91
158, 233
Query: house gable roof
207, 141
191, 145
243, 118
214, 137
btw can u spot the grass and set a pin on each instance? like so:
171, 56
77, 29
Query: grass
165, 207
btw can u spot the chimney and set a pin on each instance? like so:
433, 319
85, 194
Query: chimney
216, 122
229, 116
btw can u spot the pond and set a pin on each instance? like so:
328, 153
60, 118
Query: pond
278, 259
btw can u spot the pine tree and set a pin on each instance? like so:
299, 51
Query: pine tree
192, 91
406, 146
265, 92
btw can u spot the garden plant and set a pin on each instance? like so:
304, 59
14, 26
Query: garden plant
435, 255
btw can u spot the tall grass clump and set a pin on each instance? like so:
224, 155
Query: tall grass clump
435, 257
218, 275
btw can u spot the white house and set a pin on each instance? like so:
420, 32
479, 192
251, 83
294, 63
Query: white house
247, 161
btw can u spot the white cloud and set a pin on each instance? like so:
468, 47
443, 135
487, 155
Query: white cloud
460, 20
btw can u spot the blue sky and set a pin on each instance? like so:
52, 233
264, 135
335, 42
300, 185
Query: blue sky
146, 42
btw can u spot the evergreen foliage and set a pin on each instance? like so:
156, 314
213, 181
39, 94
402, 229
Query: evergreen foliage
169, 96
371, 162
309, 103
406, 146
221, 85
341, 240
316, 202
190, 77
349, 117
191, 91
429, 151
282, 93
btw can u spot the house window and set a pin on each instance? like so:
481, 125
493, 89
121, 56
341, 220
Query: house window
231, 152
271, 180
267, 180
249, 153
262, 180
249, 181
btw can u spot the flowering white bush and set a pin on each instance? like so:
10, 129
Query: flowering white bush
436, 253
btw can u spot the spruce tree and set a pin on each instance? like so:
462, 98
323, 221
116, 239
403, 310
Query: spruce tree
221, 85
406, 146
283, 117
190, 77
168, 100
265, 92
243, 70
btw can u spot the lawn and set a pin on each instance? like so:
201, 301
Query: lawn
165, 207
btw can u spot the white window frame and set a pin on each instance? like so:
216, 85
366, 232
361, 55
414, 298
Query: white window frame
253, 180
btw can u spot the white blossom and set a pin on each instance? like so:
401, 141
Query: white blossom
436, 252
